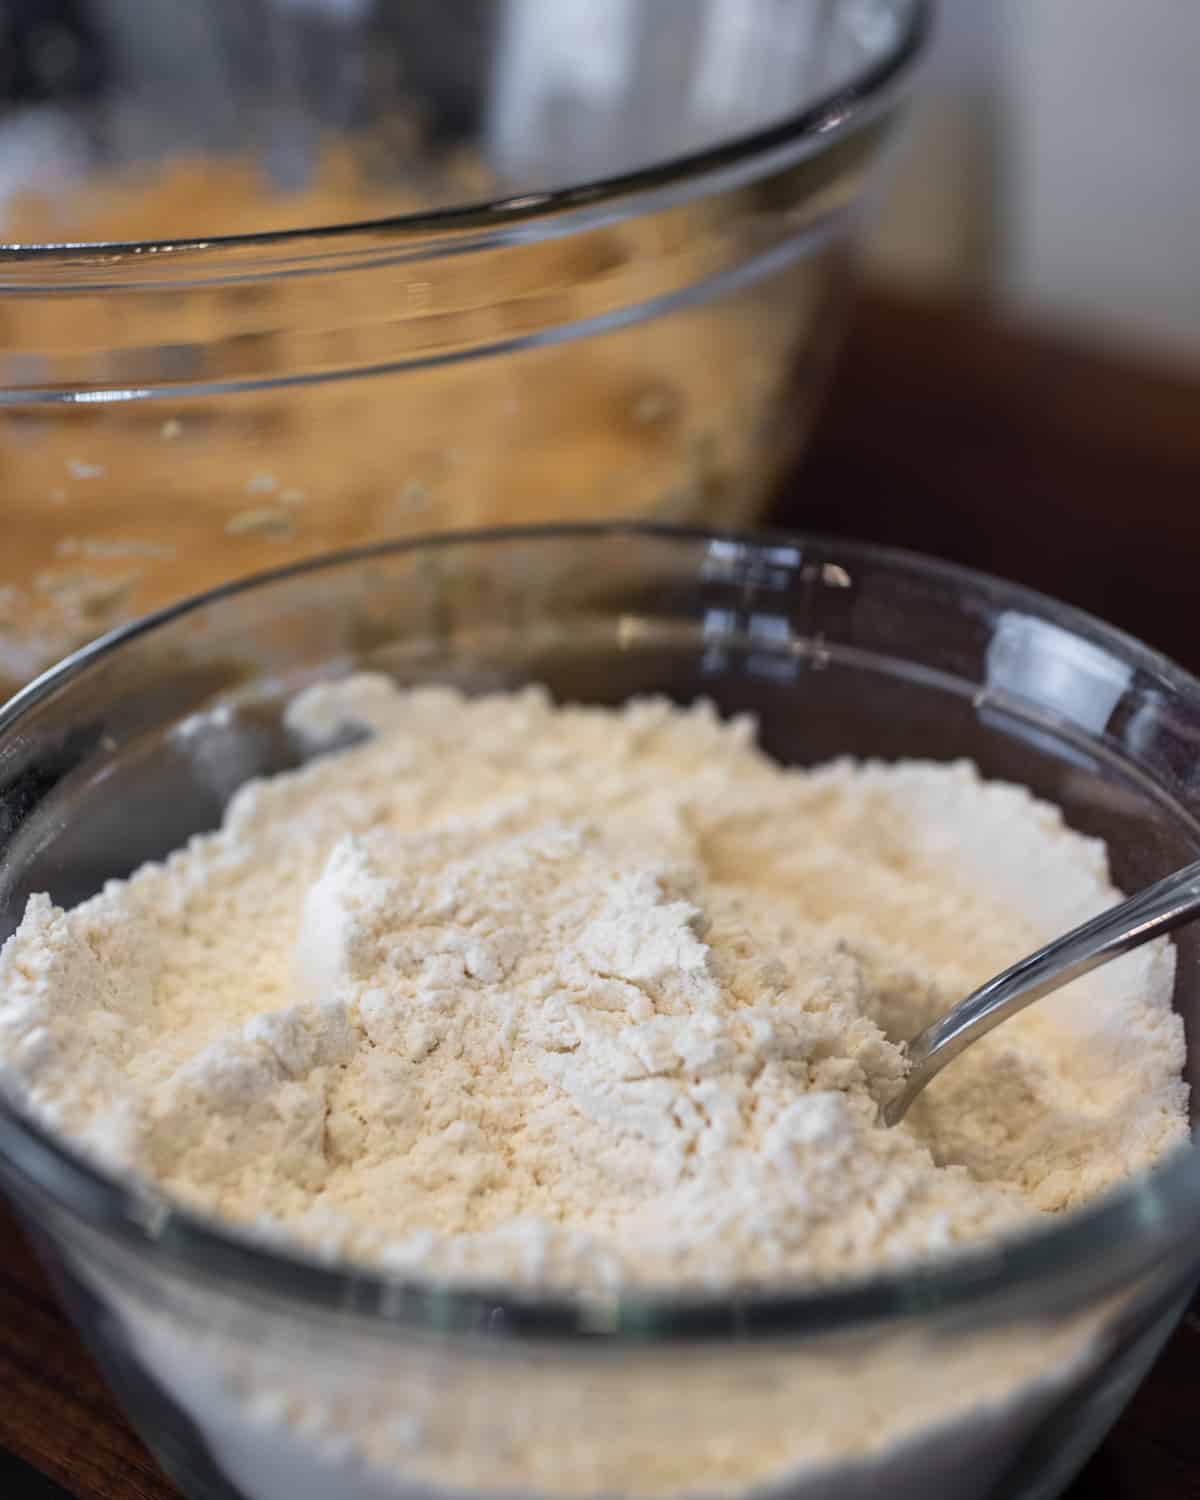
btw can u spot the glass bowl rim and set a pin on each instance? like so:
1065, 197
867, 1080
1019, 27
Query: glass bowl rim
1131, 1229
832, 114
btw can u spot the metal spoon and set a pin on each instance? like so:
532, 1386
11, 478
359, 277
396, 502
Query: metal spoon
1160, 908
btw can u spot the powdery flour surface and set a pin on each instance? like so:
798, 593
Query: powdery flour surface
587, 998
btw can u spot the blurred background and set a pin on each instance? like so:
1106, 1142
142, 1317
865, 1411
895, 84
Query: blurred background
1021, 387
1053, 168
1018, 383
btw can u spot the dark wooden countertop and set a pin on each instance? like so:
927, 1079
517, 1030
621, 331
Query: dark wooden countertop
948, 433
1016, 452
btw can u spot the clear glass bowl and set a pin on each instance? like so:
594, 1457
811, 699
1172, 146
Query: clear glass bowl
254, 1373
288, 275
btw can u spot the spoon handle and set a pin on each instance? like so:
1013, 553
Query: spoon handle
1160, 908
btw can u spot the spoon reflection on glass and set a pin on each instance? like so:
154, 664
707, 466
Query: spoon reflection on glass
1160, 908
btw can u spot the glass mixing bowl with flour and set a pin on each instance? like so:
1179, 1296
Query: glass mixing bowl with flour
490, 1107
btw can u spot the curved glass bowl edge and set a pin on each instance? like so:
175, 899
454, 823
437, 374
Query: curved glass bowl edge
844, 109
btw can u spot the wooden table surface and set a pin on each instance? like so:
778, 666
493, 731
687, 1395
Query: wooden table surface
946, 433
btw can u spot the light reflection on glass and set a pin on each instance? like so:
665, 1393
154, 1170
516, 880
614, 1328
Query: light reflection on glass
1042, 663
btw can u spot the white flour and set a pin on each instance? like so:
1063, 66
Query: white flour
592, 998
586, 999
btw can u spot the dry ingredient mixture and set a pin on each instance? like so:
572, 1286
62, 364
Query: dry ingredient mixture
589, 998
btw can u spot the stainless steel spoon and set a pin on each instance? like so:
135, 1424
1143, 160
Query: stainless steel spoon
1161, 907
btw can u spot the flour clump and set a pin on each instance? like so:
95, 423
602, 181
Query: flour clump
587, 998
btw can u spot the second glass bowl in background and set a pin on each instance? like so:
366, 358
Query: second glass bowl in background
281, 278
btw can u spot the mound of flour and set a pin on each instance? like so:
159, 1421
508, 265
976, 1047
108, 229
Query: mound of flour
590, 998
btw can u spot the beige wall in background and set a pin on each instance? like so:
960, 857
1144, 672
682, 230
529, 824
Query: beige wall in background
1054, 164
936, 227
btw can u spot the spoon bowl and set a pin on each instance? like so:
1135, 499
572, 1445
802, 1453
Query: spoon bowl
1159, 909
